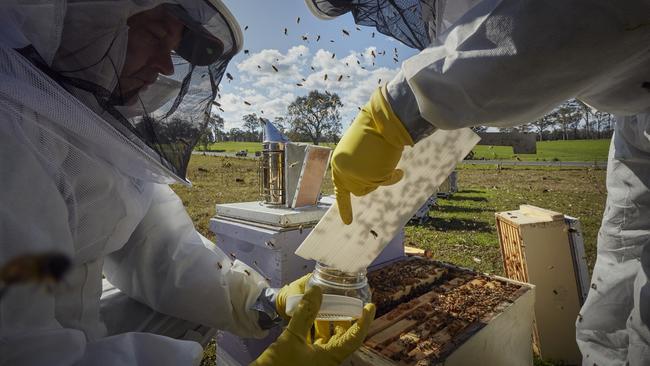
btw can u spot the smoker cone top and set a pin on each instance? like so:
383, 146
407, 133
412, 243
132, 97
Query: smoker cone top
271, 133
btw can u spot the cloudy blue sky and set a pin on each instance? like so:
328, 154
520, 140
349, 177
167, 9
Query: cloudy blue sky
301, 61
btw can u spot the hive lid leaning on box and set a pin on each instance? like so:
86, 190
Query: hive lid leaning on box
379, 215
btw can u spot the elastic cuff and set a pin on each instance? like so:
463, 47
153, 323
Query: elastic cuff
403, 103
419, 128
265, 306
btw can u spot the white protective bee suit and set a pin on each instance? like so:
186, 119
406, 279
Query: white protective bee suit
506, 62
73, 183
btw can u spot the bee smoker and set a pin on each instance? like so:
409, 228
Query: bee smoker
272, 166
291, 173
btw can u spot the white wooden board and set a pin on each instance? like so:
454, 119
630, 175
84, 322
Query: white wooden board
379, 215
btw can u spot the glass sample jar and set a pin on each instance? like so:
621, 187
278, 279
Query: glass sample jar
344, 293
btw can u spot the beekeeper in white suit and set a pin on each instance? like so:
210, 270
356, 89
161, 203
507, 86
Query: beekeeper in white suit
101, 103
506, 62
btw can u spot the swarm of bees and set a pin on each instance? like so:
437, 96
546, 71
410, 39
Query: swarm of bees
372, 54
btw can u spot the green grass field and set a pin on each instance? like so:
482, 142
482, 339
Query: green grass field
461, 230
572, 150
232, 146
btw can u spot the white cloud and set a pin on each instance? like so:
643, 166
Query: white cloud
353, 77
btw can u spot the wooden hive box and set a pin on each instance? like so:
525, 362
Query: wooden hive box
432, 313
545, 248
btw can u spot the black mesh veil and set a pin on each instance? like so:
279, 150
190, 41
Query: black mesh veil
173, 129
165, 119
413, 22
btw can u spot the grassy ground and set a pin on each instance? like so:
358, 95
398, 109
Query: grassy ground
573, 150
461, 230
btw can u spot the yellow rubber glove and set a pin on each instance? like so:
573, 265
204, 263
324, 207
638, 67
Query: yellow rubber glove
368, 153
296, 287
293, 348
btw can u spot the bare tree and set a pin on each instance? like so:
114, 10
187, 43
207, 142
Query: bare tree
586, 112
603, 119
567, 116
540, 125
315, 115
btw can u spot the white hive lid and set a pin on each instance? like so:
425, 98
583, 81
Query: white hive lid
256, 212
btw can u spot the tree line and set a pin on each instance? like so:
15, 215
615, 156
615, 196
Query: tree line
572, 120
312, 118
316, 118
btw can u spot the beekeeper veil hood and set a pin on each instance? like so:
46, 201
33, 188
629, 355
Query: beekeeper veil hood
149, 68
416, 23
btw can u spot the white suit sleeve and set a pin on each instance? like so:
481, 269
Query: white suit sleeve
34, 219
507, 62
170, 267
69, 347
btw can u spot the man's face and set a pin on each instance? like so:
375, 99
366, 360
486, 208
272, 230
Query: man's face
153, 34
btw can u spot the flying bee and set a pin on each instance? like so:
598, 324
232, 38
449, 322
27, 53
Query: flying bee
45, 268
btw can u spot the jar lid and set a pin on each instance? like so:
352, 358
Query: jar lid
333, 307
